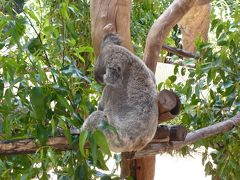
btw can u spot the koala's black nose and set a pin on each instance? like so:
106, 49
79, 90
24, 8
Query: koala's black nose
98, 77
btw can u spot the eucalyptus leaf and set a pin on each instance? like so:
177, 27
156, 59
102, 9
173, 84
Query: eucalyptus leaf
82, 140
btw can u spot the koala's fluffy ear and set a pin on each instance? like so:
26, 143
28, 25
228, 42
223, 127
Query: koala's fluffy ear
111, 38
99, 70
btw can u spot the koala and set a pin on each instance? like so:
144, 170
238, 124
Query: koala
129, 99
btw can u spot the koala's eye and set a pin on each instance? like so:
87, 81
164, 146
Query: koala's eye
119, 69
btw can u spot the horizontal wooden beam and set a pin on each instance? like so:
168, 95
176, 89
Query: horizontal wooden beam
28, 146
25, 146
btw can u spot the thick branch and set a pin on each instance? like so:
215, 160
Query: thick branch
161, 28
60, 143
27, 146
191, 138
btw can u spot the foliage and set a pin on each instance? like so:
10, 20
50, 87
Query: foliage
211, 92
145, 12
46, 87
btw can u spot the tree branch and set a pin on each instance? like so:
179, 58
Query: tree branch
191, 137
25, 146
179, 52
161, 28
28, 146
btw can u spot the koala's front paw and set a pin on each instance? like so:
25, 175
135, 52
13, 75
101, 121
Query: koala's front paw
113, 76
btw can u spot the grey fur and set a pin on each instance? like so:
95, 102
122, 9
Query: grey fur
129, 99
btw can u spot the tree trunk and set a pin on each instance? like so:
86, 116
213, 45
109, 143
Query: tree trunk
110, 16
195, 24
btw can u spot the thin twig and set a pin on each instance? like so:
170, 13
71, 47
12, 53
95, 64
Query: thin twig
179, 52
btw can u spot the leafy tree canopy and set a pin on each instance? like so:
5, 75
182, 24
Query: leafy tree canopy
47, 87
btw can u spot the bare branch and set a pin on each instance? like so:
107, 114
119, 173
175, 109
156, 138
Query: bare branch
192, 137
27, 146
179, 52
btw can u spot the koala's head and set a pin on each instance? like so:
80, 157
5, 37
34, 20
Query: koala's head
100, 66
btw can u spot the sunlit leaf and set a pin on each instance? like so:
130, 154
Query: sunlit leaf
82, 140
101, 141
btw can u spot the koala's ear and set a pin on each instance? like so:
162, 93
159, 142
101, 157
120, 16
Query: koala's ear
111, 38
99, 70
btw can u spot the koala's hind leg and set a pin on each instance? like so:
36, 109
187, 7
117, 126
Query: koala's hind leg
94, 120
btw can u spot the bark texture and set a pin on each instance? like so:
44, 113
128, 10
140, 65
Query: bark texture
27, 146
110, 16
191, 137
161, 28
195, 24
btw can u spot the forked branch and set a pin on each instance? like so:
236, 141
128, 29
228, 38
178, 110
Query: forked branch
161, 28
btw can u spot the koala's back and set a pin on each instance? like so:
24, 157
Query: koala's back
132, 108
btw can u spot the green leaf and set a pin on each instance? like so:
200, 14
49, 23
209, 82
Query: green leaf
81, 172
7, 127
159, 87
34, 45
183, 71
51, 155
85, 49
71, 29
17, 29
2, 44
82, 140
9, 68
172, 78
101, 142
176, 69
32, 15
1, 88
41, 133
65, 103
94, 152
64, 10
38, 104
66, 130
208, 168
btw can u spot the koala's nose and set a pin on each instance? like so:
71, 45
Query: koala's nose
98, 76
99, 79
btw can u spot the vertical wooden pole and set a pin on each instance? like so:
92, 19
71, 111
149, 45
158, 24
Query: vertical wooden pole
114, 16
